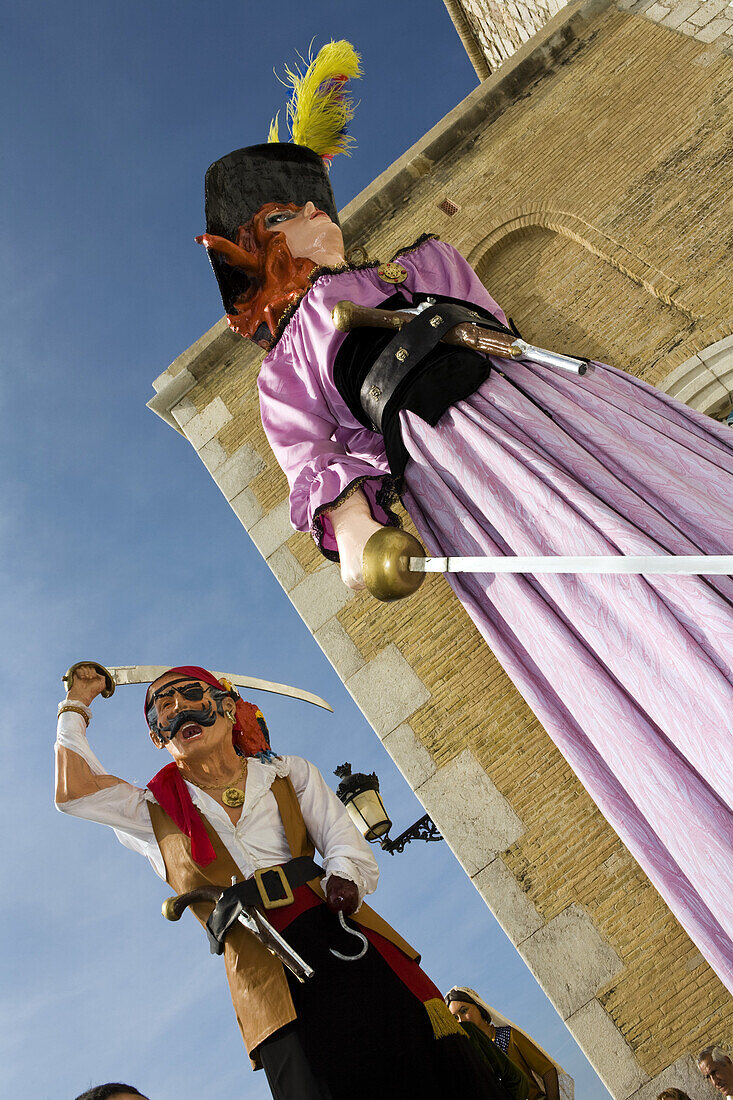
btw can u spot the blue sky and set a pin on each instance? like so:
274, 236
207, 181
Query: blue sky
118, 547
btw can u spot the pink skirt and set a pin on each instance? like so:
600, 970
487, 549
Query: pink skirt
630, 676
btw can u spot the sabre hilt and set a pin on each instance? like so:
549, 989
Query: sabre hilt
247, 915
386, 564
174, 908
109, 689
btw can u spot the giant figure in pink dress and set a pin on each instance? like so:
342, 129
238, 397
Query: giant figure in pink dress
630, 675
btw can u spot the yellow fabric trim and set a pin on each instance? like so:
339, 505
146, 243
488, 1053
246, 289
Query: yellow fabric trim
441, 1021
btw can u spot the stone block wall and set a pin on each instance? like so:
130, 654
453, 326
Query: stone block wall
492, 30
592, 199
707, 21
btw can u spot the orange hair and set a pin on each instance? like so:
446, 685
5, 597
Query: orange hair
278, 277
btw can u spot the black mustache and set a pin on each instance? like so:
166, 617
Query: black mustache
204, 717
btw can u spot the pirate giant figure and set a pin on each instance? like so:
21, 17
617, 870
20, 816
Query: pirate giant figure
227, 809
630, 676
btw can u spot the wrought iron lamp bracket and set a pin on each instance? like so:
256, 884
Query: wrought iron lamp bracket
424, 829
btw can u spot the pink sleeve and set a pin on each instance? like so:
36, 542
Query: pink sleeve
322, 459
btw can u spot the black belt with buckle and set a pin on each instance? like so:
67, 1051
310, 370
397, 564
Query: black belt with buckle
269, 888
406, 350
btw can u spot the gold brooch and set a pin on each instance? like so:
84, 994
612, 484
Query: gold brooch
392, 273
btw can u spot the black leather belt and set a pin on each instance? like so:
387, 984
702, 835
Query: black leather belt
269, 888
407, 349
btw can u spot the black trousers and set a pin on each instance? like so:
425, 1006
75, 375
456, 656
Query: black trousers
361, 1034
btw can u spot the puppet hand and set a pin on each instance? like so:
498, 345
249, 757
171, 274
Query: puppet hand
353, 526
342, 894
86, 685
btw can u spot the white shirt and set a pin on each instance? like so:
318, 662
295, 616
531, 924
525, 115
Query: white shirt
258, 838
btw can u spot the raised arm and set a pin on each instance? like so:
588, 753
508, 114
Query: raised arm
84, 788
78, 772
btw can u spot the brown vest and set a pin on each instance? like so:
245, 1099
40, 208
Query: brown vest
256, 978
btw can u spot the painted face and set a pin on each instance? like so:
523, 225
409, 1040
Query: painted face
466, 1013
309, 232
719, 1074
187, 717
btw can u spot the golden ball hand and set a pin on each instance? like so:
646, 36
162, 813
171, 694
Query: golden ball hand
386, 563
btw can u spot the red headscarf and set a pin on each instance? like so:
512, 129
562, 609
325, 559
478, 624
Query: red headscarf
168, 786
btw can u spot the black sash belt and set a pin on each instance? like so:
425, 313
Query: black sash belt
407, 349
270, 888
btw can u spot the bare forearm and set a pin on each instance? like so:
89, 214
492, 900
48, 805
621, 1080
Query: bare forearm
353, 525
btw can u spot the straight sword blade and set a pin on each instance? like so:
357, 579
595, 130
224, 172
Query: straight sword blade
691, 564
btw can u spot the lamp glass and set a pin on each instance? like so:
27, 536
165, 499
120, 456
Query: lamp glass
367, 811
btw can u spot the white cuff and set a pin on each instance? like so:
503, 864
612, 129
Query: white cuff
75, 703
71, 730
344, 868
71, 733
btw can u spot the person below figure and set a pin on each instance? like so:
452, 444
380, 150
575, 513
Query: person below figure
113, 1090
228, 809
717, 1068
544, 1075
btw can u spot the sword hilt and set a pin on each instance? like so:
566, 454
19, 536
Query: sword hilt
68, 677
386, 564
174, 908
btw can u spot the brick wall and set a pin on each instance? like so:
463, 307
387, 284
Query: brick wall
592, 199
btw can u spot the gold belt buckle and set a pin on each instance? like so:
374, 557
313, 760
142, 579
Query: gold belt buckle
267, 901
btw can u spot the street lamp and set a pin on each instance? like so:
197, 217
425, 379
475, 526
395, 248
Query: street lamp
360, 795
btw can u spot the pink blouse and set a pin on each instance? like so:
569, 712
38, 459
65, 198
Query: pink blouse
322, 449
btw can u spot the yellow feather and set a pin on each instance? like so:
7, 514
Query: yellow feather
318, 115
274, 134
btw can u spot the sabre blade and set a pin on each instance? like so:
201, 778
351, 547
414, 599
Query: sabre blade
690, 565
145, 674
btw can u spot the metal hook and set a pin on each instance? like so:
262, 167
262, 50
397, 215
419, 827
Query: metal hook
352, 932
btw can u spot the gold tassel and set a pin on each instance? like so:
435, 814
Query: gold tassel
441, 1020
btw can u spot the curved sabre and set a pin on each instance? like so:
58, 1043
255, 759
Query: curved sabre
145, 674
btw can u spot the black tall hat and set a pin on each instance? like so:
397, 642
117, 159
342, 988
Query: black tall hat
239, 184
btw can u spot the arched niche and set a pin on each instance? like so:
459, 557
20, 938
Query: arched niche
570, 288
